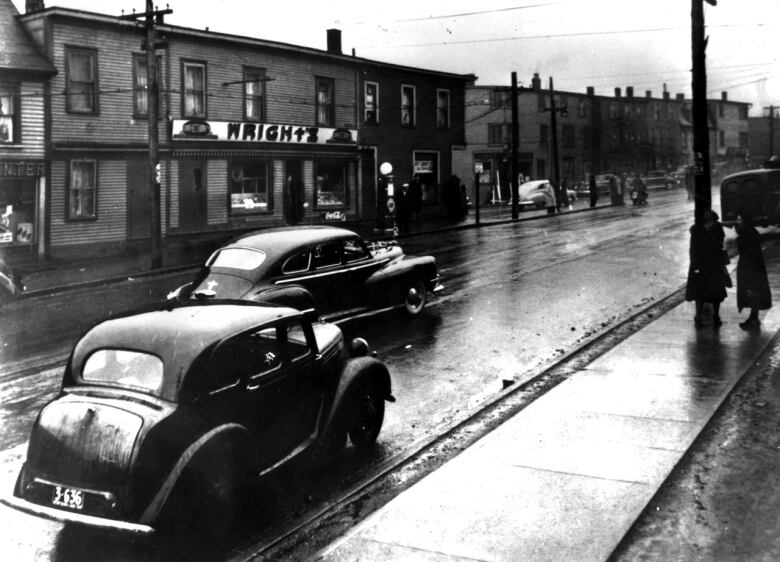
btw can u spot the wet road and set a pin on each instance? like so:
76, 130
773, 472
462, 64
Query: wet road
517, 296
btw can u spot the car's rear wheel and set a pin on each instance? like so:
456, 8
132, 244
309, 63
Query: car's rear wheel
415, 296
368, 415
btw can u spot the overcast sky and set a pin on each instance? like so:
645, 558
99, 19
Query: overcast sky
579, 43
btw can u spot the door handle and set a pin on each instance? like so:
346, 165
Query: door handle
252, 386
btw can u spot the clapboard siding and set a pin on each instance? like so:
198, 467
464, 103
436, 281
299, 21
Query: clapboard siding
111, 200
32, 122
217, 195
174, 194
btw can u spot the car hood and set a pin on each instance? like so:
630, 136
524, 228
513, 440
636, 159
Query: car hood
84, 443
223, 286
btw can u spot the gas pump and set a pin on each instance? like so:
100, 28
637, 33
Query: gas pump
387, 213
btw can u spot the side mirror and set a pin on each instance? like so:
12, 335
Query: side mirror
358, 347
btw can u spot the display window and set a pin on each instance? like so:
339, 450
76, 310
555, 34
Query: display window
17, 211
331, 188
249, 183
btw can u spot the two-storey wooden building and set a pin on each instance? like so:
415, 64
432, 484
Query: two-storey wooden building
253, 133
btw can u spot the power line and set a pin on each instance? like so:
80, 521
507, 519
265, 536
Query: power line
479, 12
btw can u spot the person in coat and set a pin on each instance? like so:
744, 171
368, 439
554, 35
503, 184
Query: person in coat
707, 278
593, 190
752, 282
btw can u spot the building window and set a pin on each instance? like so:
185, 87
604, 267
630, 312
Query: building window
331, 185
656, 111
498, 99
194, 91
544, 135
141, 85
540, 102
587, 137
722, 138
743, 140
613, 111
568, 136
408, 106
372, 102
721, 110
9, 114
254, 94
582, 108
249, 186
670, 111
743, 112
498, 133
82, 190
326, 102
443, 109
81, 79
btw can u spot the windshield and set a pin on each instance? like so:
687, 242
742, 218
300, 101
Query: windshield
238, 258
122, 367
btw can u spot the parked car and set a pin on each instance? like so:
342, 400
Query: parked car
657, 179
603, 183
167, 415
756, 192
540, 194
315, 267
11, 284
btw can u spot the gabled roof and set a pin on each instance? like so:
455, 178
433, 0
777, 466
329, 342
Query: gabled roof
18, 52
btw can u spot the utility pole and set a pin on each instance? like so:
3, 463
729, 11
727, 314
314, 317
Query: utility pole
153, 17
701, 136
560, 195
771, 130
515, 149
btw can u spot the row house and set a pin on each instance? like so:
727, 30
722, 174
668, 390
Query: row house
24, 77
595, 134
253, 133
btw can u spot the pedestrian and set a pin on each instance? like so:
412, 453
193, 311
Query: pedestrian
752, 281
622, 181
593, 190
707, 276
614, 190
403, 211
690, 182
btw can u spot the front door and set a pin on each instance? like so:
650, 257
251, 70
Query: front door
294, 192
138, 203
193, 189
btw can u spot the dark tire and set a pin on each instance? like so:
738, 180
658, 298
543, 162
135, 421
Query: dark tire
367, 417
415, 296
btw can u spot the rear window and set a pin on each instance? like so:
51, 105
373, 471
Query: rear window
238, 258
122, 367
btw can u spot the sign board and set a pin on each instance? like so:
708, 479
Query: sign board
237, 131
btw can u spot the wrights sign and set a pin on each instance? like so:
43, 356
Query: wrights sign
236, 131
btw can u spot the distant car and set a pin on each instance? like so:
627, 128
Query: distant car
166, 416
539, 194
315, 267
603, 183
11, 284
680, 173
657, 179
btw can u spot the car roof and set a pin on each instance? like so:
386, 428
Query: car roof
751, 172
282, 239
177, 334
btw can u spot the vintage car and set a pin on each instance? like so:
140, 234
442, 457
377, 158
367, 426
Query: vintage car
11, 284
659, 179
539, 194
167, 415
328, 268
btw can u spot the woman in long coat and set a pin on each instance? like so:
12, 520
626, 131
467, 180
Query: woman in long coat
706, 276
752, 282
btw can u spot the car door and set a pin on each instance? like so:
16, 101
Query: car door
328, 279
360, 265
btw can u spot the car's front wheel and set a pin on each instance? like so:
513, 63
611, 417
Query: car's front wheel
415, 296
368, 415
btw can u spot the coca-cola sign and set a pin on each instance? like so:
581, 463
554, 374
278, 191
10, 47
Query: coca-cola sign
335, 216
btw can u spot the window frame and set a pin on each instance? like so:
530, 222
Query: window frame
137, 89
85, 217
411, 108
342, 166
446, 109
502, 129
249, 73
268, 208
185, 63
374, 107
13, 92
330, 107
93, 92
568, 135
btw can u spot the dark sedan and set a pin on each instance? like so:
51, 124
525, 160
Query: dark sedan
332, 269
166, 415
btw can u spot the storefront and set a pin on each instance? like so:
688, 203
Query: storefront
21, 184
240, 174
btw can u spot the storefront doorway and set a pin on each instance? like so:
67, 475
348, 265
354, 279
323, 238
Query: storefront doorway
294, 196
193, 189
138, 202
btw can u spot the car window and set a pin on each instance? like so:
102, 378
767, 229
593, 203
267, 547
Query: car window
354, 249
122, 367
297, 263
297, 345
730, 188
752, 185
326, 255
238, 258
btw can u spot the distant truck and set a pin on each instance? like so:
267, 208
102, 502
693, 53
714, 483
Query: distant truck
756, 192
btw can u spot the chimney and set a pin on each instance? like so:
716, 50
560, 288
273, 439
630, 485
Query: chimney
629, 91
648, 93
617, 92
33, 6
334, 41
724, 96
666, 95
536, 82
590, 91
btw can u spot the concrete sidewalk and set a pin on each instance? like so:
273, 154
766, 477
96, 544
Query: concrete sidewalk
567, 477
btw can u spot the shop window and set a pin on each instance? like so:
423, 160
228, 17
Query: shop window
17, 210
372, 102
443, 109
82, 190
194, 90
249, 186
141, 85
326, 103
426, 170
331, 185
408, 106
9, 114
81, 79
254, 94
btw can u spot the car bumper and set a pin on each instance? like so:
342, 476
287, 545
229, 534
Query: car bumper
77, 518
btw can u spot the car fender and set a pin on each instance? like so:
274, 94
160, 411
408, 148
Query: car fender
405, 266
231, 434
356, 371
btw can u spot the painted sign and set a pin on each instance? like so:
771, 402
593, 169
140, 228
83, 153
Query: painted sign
237, 131
19, 168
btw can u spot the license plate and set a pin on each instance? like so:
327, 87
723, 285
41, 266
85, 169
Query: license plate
70, 498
